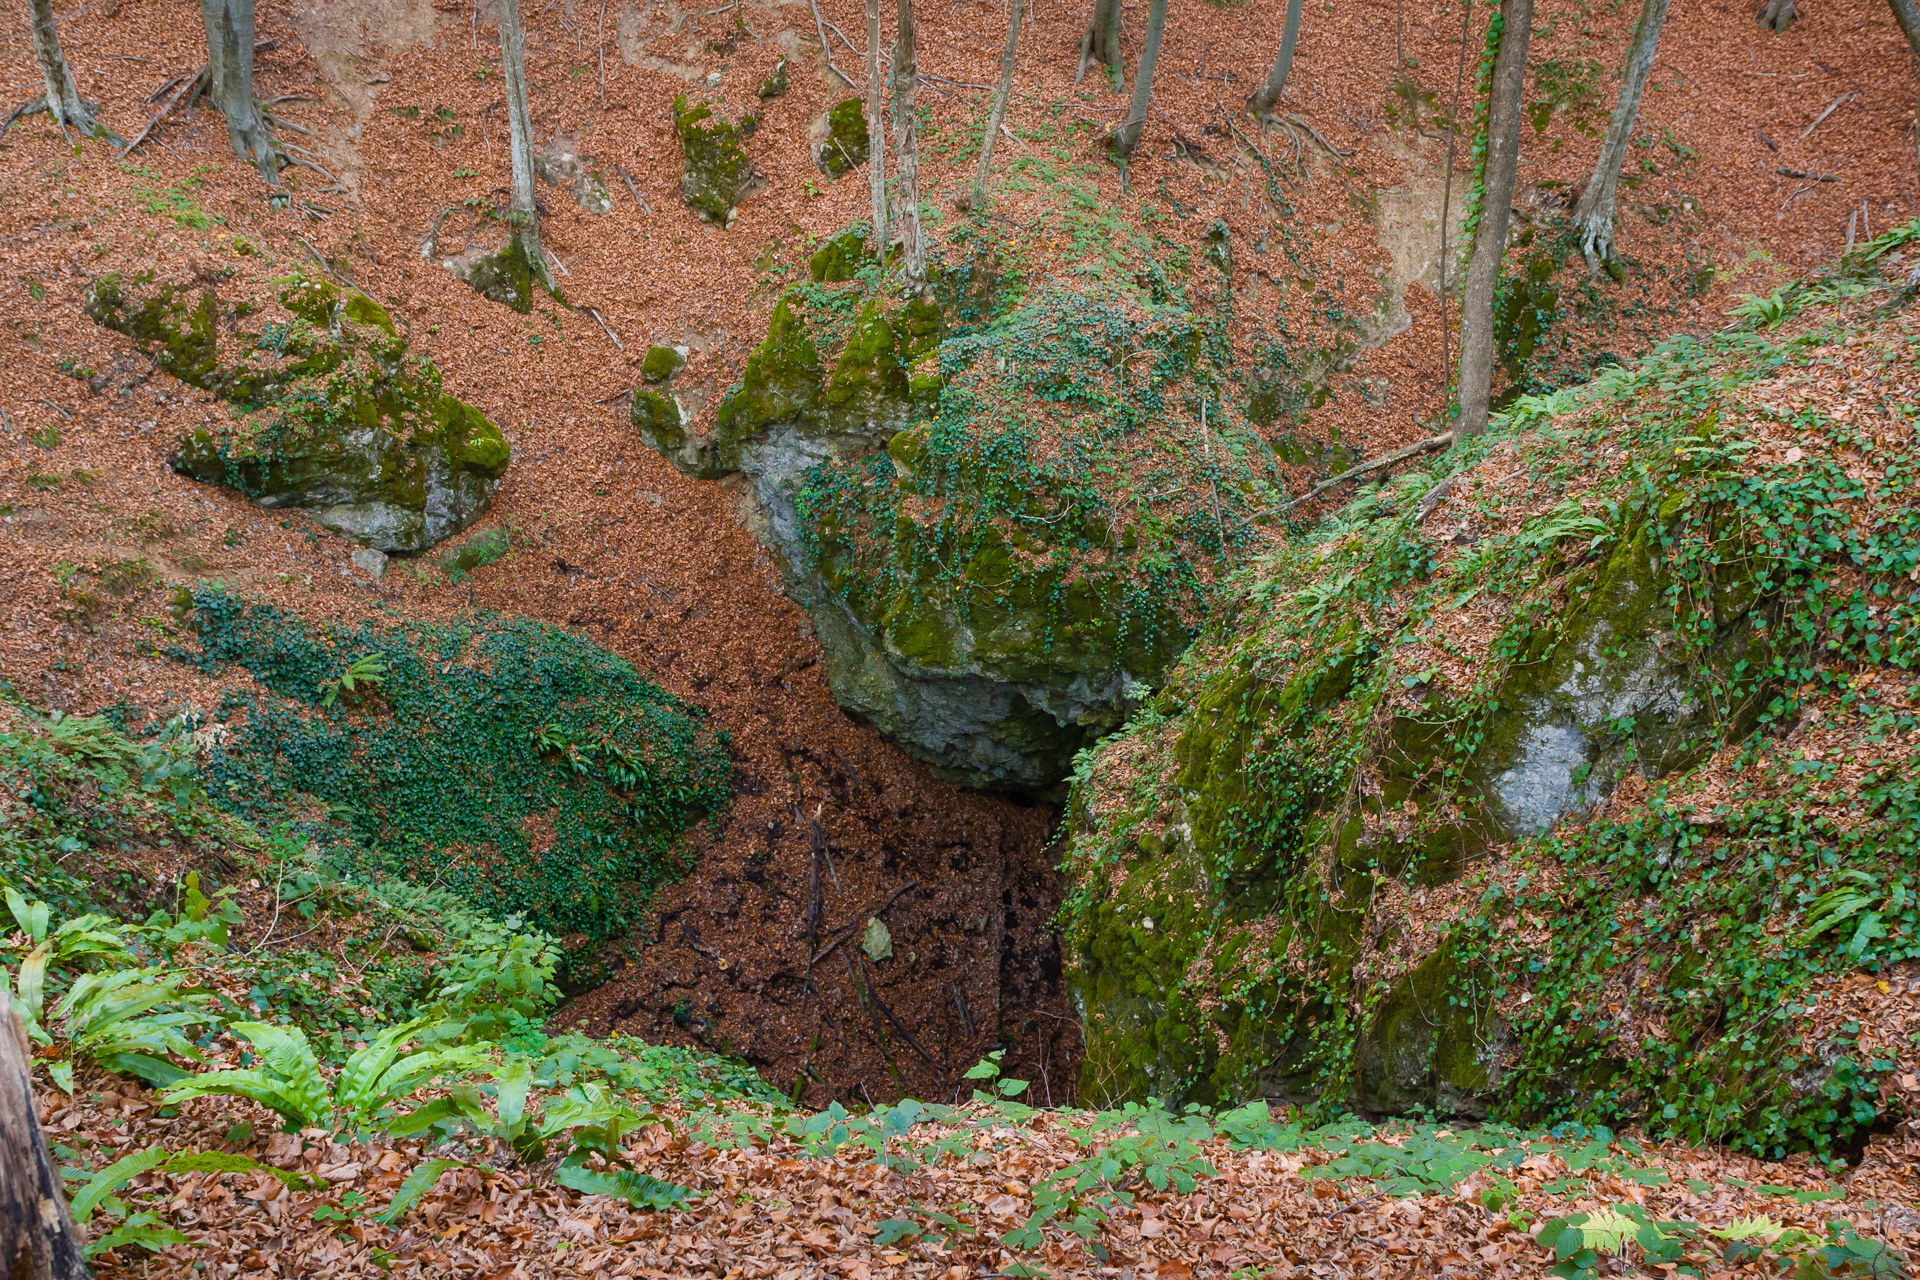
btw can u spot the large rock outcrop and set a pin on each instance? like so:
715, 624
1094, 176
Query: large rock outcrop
1002, 525
1477, 814
333, 412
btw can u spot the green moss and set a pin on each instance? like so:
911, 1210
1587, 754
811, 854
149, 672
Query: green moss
661, 363
776, 83
1315, 747
846, 142
505, 276
868, 392
716, 173
782, 382
840, 257
657, 415
336, 413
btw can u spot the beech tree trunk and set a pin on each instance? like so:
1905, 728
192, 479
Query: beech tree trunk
63, 95
38, 1240
521, 210
229, 25
1267, 97
1907, 14
978, 198
1593, 216
876, 130
1136, 121
906, 145
1100, 43
1496, 205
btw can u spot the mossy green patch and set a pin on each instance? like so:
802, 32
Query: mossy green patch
716, 172
336, 413
845, 146
530, 770
661, 363
1336, 745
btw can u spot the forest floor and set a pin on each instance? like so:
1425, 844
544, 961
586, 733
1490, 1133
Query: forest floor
400, 103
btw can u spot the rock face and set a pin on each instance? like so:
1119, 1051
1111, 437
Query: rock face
1472, 815
978, 596
333, 412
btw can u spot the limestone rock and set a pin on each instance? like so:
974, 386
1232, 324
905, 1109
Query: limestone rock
716, 174
335, 413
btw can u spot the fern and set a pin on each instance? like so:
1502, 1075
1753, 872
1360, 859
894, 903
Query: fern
369, 668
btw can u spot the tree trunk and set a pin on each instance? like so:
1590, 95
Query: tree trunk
229, 25
906, 145
1267, 97
1496, 204
1136, 121
522, 214
1907, 14
38, 1240
63, 95
1100, 43
1593, 216
876, 131
978, 198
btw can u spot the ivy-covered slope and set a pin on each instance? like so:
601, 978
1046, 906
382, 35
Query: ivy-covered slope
333, 411
1003, 508
529, 770
1566, 802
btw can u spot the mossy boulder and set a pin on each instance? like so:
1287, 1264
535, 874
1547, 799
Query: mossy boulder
840, 257
843, 142
716, 174
505, 276
658, 417
662, 363
333, 410
1475, 815
937, 492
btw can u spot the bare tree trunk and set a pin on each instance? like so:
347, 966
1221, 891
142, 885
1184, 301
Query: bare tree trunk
1100, 43
1907, 14
1267, 97
38, 1240
978, 198
1593, 216
63, 95
522, 214
1496, 204
906, 144
876, 131
1136, 121
229, 25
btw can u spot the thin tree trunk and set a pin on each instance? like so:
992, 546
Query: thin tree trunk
1136, 121
63, 95
876, 131
1100, 43
38, 1240
1593, 216
906, 128
229, 25
522, 214
1907, 14
1267, 97
978, 198
1490, 241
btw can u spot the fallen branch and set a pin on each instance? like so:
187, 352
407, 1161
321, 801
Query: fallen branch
1432, 444
324, 264
631, 189
191, 82
826, 50
1821, 118
611, 335
1801, 173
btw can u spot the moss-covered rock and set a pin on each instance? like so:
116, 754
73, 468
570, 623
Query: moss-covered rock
662, 363
334, 412
716, 174
776, 83
504, 276
962, 504
659, 419
1472, 815
843, 138
840, 257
